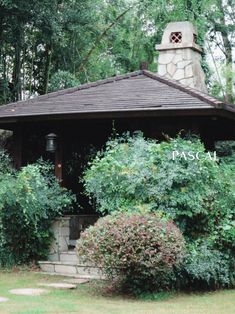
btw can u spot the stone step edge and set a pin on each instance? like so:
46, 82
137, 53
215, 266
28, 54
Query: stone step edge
68, 252
102, 277
67, 264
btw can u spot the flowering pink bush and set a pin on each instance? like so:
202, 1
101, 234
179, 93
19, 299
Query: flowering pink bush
134, 247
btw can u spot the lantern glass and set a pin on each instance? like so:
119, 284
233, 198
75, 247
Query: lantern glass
51, 143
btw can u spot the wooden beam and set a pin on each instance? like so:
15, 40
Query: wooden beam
58, 163
17, 148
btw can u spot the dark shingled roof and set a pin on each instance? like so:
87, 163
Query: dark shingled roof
133, 92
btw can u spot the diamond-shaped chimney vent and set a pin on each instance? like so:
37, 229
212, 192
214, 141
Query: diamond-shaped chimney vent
176, 37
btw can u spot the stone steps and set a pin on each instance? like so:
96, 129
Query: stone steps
69, 276
69, 256
71, 268
69, 263
62, 258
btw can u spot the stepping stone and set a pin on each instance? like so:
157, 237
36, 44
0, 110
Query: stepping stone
3, 299
59, 285
29, 291
76, 281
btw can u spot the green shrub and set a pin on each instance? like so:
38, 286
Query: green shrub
139, 249
29, 200
133, 172
197, 194
5, 163
223, 230
204, 267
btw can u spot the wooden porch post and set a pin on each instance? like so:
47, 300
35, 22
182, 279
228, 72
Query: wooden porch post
17, 148
58, 162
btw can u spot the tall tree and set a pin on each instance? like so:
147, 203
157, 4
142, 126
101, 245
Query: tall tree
221, 20
70, 41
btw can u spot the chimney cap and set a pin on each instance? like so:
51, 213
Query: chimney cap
178, 35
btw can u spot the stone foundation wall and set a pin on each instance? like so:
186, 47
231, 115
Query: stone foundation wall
66, 231
61, 230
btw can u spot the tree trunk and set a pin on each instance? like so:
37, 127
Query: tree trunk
31, 69
16, 73
228, 53
48, 53
16, 76
1, 40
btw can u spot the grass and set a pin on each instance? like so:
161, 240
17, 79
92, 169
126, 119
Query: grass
87, 299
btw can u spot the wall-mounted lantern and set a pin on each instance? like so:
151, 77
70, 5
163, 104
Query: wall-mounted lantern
51, 142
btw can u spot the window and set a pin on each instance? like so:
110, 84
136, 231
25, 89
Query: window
176, 37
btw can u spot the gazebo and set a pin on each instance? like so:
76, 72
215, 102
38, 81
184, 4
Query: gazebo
77, 120
85, 116
67, 125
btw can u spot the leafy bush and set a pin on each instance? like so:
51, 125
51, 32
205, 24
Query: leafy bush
29, 200
204, 267
133, 172
223, 233
225, 148
5, 163
140, 249
198, 194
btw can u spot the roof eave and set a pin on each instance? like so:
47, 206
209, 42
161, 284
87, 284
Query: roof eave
150, 112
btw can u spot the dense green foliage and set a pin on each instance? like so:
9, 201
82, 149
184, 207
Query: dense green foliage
140, 249
133, 173
29, 200
5, 162
204, 267
62, 80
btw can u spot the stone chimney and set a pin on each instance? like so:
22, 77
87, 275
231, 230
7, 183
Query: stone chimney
180, 56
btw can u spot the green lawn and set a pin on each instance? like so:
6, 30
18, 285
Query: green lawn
86, 299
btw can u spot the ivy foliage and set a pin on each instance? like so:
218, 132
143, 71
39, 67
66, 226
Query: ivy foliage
29, 200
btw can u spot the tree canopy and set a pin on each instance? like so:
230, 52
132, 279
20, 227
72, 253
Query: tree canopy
47, 45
